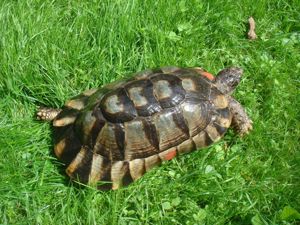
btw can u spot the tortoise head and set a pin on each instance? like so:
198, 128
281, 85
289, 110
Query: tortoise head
227, 79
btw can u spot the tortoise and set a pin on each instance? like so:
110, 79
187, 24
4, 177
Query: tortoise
110, 136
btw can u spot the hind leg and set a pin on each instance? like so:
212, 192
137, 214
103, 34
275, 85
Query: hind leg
76, 103
47, 114
240, 120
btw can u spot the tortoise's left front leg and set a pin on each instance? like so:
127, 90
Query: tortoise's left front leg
240, 120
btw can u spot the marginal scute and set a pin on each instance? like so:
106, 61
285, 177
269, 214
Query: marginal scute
151, 162
223, 121
143, 74
80, 102
221, 130
80, 167
75, 104
64, 121
96, 169
213, 132
66, 117
90, 92
105, 179
168, 154
201, 140
198, 69
67, 143
86, 122
117, 174
115, 84
59, 147
169, 69
223, 117
137, 168
186, 146
76, 162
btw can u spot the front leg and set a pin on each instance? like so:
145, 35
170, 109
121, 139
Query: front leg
240, 120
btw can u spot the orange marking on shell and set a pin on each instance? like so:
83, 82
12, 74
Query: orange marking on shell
170, 155
207, 75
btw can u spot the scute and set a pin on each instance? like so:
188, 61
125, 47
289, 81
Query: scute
109, 142
142, 97
117, 107
169, 133
141, 94
138, 143
168, 90
118, 132
197, 115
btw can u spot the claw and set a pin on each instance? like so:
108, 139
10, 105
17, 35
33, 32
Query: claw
245, 128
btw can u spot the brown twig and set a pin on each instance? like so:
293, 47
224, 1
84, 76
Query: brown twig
251, 34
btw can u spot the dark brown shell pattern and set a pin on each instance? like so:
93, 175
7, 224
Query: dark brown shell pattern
116, 133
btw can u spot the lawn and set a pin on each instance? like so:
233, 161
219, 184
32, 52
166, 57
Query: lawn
53, 50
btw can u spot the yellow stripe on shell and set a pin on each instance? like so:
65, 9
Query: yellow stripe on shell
220, 101
87, 124
168, 131
59, 148
113, 105
188, 84
151, 162
162, 89
193, 115
137, 168
76, 161
213, 133
64, 121
200, 139
136, 141
117, 174
75, 104
169, 69
90, 92
223, 122
135, 94
96, 169
186, 146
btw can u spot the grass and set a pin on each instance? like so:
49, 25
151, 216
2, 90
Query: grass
53, 50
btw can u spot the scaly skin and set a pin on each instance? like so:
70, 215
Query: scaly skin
226, 82
47, 114
240, 120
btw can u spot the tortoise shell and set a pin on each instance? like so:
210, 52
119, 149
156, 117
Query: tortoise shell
118, 132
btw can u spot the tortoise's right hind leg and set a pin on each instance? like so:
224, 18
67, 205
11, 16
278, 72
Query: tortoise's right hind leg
47, 114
